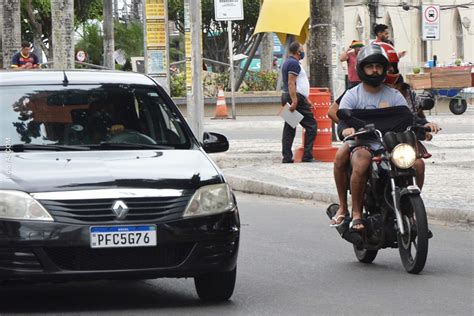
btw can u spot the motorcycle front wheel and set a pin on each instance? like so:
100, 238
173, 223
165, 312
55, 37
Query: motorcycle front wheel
413, 246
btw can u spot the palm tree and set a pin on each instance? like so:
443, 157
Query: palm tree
108, 35
62, 16
11, 29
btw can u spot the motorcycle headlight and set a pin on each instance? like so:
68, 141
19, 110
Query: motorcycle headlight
403, 156
210, 200
20, 205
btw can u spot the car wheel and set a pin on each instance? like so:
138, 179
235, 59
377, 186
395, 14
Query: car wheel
216, 286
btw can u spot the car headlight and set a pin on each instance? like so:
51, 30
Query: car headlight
210, 200
403, 156
20, 205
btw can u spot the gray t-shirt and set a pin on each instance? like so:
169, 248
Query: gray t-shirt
358, 99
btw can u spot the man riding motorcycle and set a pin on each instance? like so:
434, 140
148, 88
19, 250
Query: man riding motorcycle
392, 79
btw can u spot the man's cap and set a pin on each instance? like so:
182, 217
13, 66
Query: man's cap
356, 43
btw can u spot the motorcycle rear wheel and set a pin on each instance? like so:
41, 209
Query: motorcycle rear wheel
413, 246
365, 255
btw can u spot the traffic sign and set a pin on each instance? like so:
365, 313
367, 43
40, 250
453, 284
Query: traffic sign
228, 10
430, 16
81, 55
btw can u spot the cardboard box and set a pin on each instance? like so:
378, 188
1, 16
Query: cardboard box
419, 81
449, 79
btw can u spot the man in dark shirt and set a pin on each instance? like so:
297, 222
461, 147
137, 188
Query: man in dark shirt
25, 59
295, 93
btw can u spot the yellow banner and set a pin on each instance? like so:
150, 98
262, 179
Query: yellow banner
155, 33
155, 9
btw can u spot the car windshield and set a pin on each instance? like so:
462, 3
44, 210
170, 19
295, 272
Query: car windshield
90, 115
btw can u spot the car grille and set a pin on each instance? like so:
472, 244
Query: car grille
88, 259
100, 210
19, 259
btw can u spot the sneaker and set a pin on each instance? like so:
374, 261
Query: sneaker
287, 161
308, 160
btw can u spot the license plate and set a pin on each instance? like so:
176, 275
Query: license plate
123, 236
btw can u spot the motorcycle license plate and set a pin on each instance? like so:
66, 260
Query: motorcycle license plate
123, 236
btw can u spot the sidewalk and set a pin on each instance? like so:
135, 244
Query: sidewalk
254, 166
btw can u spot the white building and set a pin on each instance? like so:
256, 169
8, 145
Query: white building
404, 20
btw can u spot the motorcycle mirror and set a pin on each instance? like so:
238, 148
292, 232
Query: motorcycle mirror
344, 114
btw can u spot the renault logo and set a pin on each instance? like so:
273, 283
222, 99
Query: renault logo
120, 209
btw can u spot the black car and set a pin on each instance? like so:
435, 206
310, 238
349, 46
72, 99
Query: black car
101, 178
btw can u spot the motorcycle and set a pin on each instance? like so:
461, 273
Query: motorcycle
394, 213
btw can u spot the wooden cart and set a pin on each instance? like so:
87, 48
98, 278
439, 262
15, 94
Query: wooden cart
453, 83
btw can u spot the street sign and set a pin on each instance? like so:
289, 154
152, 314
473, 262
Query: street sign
430, 16
228, 10
81, 55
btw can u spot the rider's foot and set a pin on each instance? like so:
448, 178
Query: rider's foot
357, 223
430, 234
339, 217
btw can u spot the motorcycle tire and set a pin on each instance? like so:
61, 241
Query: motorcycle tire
413, 246
365, 255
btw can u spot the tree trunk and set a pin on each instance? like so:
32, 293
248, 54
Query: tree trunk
109, 44
37, 32
62, 16
135, 11
11, 30
266, 56
320, 44
1, 34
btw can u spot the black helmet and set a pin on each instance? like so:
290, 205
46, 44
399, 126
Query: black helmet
372, 54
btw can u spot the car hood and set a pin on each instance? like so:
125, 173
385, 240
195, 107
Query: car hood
66, 171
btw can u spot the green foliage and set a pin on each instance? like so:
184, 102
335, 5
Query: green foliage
215, 32
178, 85
260, 81
129, 38
92, 43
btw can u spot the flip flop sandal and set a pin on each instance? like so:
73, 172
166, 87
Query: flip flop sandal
355, 222
336, 218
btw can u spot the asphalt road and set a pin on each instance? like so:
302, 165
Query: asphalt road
290, 263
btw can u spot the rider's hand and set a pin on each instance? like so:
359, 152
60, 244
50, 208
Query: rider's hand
348, 131
433, 126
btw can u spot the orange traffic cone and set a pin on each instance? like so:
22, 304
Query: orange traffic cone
221, 106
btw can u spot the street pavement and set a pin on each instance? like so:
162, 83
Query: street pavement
253, 165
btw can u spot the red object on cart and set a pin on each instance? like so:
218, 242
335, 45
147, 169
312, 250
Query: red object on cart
322, 147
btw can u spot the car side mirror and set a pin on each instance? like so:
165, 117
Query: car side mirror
214, 142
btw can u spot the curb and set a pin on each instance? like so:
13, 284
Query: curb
242, 184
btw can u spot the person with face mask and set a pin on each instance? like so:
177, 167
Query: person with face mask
372, 94
295, 93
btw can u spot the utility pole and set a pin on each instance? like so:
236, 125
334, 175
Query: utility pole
338, 42
373, 4
194, 91
320, 44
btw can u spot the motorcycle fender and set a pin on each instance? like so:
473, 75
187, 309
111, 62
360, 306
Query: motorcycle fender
410, 190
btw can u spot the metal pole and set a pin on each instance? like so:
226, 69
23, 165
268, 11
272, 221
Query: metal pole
231, 68
249, 59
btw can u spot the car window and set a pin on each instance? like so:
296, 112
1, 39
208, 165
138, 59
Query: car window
89, 115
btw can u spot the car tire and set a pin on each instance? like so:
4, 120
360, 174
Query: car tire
216, 286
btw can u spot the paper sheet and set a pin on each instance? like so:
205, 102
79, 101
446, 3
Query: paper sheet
292, 118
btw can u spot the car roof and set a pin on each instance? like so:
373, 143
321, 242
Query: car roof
41, 77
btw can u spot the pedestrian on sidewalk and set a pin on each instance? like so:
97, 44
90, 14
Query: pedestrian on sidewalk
382, 35
295, 93
25, 59
350, 56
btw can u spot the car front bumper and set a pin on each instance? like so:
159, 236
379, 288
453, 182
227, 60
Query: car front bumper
51, 251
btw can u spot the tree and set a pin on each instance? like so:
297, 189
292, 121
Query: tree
108, 27
36, 20
11, 31
92, 42
215, 32
62, 17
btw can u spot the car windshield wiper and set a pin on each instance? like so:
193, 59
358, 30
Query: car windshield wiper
53, 147
124, 145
